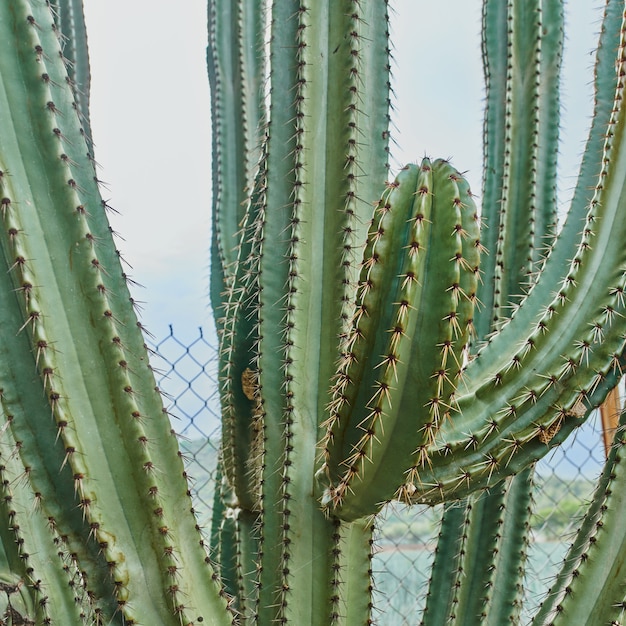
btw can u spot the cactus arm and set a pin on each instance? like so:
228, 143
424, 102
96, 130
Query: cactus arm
561, 254
238, 551
285, 465
406, 357
472, 531
217, 260
234, 547
450, 479
584, 269
471, 597
535, 57
585, 356
371, 137
388, 232
590, 586
223, 538
505, 590
299, 212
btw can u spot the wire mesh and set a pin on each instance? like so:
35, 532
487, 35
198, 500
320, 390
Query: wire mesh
406, 536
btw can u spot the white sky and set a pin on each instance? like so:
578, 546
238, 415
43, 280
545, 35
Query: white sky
151, 124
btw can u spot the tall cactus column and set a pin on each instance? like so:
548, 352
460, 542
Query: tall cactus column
317, 199
90, 469
323, 163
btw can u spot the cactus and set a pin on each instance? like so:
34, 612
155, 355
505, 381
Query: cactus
367, 349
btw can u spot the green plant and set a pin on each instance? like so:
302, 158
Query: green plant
365, 356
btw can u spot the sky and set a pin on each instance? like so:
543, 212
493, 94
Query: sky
151, 125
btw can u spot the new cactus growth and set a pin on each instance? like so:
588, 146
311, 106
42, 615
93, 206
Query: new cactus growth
381, 338
417, 294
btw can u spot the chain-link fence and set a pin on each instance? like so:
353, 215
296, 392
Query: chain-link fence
406, 536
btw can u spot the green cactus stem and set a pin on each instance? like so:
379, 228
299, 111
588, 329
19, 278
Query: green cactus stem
89, 444
490, 590
480, 557
422, 255
522, 51
446, 568
313, 193
242, 448
266, 326
583, 357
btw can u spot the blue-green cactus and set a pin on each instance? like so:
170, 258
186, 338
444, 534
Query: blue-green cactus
370, 348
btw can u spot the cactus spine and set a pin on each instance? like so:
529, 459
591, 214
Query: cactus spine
362, 358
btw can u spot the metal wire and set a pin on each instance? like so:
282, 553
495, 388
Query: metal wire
186, 366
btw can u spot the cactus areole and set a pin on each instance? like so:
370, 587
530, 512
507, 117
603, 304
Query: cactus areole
381, 337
